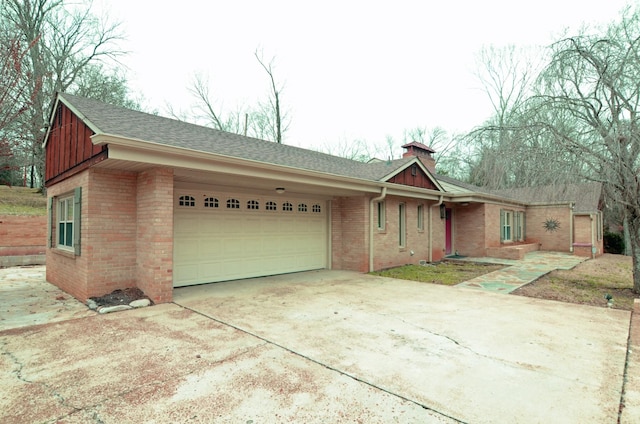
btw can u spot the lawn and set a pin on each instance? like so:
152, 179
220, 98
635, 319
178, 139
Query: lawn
22, 201
447, 273
588, 283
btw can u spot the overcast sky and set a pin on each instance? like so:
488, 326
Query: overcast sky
350, 69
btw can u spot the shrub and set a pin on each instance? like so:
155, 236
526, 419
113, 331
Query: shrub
613, 243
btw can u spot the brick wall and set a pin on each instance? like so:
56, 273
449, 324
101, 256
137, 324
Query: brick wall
23, 235
469, 231
154, 251
350, 233
65, 270
110, 246
557, 241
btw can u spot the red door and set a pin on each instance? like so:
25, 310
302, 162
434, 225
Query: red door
448, 233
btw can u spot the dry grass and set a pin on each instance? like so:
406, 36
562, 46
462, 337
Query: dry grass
22, 201
447, 273
588, 283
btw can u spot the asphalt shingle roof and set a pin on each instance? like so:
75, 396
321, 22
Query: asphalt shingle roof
120, 121
585, 195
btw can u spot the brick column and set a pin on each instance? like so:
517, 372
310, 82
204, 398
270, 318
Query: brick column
155, 234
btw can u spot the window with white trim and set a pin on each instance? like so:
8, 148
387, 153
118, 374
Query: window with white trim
233, 204
65, 222
316, 209
253, 205
302, 207
381, 217
420, 212
506, 225
287, 207
402, 225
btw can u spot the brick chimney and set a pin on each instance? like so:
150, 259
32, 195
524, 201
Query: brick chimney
422, 152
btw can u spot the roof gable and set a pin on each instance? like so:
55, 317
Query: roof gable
415, 174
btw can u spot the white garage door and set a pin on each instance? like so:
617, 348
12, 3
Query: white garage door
227, 237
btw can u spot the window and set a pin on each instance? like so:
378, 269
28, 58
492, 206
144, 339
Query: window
287, 206
519, 226
302, 207
233, 204
420, 217
506, 222
210, 202
381, 217
67, 221
402, 226
316, 209
271, 206
188, 201
253, 205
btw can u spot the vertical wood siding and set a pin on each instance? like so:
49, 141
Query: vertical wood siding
420, 179
69, 144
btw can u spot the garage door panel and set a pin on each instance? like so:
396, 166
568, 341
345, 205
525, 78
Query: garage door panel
218, 245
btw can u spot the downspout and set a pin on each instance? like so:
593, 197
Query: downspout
571, 206
431, 227
383, 194
593, 240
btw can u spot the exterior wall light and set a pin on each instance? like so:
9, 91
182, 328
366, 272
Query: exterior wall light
443, 211
280, 190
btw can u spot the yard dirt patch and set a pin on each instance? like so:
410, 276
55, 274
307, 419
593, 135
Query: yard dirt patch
588, 283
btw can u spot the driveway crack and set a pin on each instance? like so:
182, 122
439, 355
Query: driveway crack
19, 366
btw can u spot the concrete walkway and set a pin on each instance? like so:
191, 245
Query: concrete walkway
518, 273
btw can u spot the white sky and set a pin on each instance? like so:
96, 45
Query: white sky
351, 69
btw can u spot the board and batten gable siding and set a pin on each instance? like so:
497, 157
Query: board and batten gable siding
413, 176
68, 147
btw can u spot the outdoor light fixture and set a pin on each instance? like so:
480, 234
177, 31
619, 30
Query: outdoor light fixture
280, 190
443, 211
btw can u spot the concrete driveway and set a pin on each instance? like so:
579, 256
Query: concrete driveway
324, 346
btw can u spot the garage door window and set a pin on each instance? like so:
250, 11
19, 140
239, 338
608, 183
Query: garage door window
210, 202
188, 201
271, 206
233, 204
316, 209
287, 207
253, 205
302, 207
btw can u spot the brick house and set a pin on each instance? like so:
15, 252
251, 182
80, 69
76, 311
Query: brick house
138, 200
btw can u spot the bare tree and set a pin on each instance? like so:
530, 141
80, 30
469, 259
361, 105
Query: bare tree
273, 118
593, 81
69, 38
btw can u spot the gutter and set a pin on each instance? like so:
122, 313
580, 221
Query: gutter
383, 194
431, 226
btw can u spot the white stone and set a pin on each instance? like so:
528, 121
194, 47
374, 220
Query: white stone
140, 303
92, 304
116, 308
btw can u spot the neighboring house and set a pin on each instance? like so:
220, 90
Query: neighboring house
138, 200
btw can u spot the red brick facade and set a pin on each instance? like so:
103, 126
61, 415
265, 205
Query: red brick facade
123, 239
23, 235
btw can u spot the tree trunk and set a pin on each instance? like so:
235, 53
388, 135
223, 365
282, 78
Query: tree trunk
627, 236
634, 233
